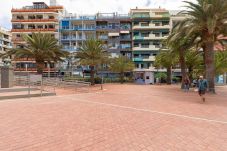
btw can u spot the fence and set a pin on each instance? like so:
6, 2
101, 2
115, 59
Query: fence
49, 85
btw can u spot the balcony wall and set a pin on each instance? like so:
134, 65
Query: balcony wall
151, 26
150, 48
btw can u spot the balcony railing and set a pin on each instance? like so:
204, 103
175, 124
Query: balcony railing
34, 69
145, 58
35, 30
33, 10
70, 48
34, 20
103, 37
78, 28
24, 59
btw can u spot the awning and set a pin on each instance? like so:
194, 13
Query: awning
124, 32
113, 34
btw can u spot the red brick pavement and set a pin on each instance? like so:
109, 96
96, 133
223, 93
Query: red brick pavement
121, 118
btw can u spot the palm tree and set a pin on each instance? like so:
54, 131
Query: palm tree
208, 21
121, 65
220, 62
166, 59
179, 44
193, 60
91, 53
42, 47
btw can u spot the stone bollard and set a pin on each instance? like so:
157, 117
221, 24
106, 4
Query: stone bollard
7, 77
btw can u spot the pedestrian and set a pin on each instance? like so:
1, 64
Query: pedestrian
186, 84
202, 87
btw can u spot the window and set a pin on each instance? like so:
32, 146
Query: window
136, 23
18, 35
145, 24
148, 65
136, 55
31, 17
31, 26
51, 26
156, 34
51, 17
18, 26
142, 65
157, 24
145, 45
39, 16
40, 26
145, 34
20, 17
136, 44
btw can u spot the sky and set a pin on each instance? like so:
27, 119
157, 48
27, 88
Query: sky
89, 6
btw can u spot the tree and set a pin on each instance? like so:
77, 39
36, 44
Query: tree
207, 20
179, 44
42, 47
193, 60
166, 59
121, 65
91, 53
220, 62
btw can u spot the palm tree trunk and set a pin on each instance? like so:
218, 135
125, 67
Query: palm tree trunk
182, 65
92, 75
204, 58
169, 75
190, 72
209, 66
40, 67
122, 77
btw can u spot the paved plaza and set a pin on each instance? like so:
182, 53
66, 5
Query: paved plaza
120, 118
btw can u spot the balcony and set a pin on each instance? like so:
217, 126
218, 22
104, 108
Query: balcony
70, 48
150, 48
66, 38
34, 20
160, 15
125, 47
29, 10
24, 59
35, 69
104, 27
141, 16
84, 28
125, 38
103, 37
141, 59
150, 37
151, 26
35, 30
65, 28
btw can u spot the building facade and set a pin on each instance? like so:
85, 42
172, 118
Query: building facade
5, 42
115, 31
150, 27
74, 30
33, 19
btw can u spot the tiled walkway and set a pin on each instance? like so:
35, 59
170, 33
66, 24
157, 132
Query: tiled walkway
121, 118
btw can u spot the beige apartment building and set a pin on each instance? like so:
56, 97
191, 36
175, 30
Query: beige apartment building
5, 41
33, 19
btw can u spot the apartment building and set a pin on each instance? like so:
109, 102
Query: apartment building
33, 19
150, 27
115, 31
75, 29
5, 41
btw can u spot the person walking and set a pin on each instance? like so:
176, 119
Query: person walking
186, 84
202, 87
